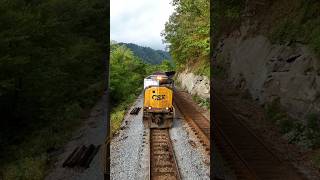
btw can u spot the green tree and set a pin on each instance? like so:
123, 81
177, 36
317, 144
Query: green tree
126, 74
187, 31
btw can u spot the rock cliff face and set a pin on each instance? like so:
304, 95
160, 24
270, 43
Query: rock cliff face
290, 73
194, 84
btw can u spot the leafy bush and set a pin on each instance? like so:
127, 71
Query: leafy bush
306, 135
313, 133
274, 112
286, 125
203, 69
205, 103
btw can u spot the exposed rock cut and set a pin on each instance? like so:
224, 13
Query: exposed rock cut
269, 71
194, 84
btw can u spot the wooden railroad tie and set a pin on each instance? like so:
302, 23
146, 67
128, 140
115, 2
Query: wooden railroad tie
81, 156
135, 110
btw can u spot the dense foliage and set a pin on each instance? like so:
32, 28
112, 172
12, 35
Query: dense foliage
226, 16
51, 68
148, 54
306, 133
297, 21
187, 32
126, 74
286, 21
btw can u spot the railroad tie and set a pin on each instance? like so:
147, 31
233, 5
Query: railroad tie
135, 110
81, 156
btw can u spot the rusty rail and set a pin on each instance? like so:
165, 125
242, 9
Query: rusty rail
245, 152
199, 124
163, 164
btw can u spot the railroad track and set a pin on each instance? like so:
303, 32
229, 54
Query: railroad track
163, 164
199, 124
246, 154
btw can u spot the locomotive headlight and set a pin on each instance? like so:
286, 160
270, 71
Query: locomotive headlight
149, 107
167, 108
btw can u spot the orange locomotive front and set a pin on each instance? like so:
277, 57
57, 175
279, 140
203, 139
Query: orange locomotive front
158, 111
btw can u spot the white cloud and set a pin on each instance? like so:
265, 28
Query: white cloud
139, 21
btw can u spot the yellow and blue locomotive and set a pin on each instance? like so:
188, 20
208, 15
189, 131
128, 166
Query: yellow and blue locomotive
158, 110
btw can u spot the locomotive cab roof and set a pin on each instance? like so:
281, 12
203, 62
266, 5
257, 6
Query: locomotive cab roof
158, 79
157, 76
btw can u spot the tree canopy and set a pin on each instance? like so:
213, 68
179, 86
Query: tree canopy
51, 69
187, 31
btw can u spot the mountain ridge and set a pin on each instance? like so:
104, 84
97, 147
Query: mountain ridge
148, 54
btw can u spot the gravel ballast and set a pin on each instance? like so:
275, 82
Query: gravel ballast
192, 159
126, 149
130, 149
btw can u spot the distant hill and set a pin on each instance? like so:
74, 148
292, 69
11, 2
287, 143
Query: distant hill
148, 54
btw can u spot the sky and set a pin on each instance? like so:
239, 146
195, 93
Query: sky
139, 21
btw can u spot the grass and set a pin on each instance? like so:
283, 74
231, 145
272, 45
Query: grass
286, 125
205, 103
304, 134
31, 159
116, 119
27, 168
202, 68
316, 158
118, 113
176, 82
312, 127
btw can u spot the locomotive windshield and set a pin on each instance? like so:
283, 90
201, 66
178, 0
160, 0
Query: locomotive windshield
158, 79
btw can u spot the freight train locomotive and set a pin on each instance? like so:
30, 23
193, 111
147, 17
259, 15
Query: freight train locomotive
158, 111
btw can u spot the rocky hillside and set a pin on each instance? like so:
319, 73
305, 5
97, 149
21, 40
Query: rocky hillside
195, 84
269, 71
269, 60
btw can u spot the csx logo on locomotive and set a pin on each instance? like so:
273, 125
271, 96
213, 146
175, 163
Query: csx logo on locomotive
158, 97
158, 111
